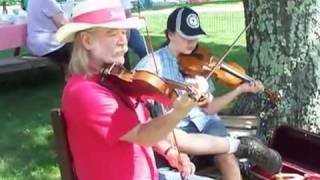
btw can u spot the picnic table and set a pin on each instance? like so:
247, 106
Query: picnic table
13, 36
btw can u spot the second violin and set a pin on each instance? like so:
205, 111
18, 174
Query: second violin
231, 74
201, 62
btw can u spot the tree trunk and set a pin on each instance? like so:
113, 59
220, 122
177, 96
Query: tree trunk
284, 50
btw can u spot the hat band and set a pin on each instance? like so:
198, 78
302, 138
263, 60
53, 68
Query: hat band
101, 16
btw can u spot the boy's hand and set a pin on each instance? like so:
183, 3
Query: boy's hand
253, 87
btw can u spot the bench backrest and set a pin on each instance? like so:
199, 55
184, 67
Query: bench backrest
62, 146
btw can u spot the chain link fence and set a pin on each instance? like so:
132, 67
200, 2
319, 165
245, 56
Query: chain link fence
224, 17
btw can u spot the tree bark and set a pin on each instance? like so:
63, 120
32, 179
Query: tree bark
284, 53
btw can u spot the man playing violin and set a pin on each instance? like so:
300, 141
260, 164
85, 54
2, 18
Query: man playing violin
182, 33
110, 134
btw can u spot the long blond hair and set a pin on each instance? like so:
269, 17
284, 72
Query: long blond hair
79, 62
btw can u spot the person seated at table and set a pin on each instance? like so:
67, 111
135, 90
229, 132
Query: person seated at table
110, 133
44, 18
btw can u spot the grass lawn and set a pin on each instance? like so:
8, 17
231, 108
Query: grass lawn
26, 144
26, 150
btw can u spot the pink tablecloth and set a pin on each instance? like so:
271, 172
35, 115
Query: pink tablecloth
12, 35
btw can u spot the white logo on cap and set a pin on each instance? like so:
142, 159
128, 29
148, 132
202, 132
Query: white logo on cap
193, 21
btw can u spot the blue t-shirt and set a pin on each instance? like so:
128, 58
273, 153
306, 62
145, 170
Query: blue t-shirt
168, 68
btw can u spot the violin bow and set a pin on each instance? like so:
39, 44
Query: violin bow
275, 98
144, 40
148, 39
175, 141
217, 65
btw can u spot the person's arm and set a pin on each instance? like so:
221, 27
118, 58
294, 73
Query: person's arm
59, 20
53, 11
219, 103
163, 147
158, 128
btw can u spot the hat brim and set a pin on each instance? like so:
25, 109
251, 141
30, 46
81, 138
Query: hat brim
67, 32
198, 35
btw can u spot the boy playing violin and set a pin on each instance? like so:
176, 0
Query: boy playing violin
111, 134
182, 33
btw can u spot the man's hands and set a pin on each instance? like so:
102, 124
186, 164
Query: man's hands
199, 96
181, 162
183, 104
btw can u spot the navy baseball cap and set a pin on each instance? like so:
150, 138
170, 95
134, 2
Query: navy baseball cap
186, 23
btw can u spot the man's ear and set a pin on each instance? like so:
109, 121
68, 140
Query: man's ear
86, 40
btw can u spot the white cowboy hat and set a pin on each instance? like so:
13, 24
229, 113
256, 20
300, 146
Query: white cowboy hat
97, 13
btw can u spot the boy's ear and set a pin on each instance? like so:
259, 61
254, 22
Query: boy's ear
170, 34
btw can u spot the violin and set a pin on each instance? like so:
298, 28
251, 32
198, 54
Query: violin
231, 74
146, 85
201, 62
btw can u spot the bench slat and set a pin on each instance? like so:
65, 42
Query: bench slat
18, 63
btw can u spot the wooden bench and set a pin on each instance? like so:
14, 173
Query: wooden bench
13, 36
241, 125
18, 63
62, 146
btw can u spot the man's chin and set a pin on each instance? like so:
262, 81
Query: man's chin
119, 61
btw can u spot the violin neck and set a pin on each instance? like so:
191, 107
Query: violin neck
236, 73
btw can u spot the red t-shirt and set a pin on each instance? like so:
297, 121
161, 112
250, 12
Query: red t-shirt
96, 118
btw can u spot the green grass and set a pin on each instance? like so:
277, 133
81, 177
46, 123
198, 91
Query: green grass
26, 150
26, 141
